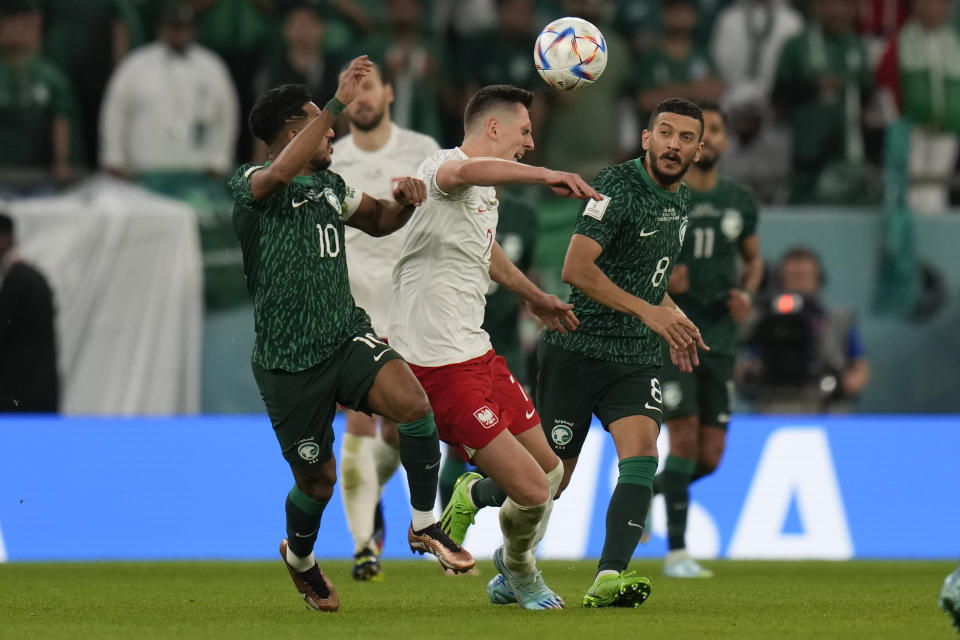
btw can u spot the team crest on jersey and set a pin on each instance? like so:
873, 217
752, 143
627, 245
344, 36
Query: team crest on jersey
561, 434
332, 198
683, 231
731, 224
486, 416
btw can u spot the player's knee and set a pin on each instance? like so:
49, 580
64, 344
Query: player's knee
414, 406
319, 487
532, 492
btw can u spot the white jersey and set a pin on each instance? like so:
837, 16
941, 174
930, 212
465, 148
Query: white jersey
370, 260
440, 282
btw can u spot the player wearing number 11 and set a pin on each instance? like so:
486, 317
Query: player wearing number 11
314, 346
618, 264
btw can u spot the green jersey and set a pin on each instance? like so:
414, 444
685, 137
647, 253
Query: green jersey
640, 227
720, 219
296, 268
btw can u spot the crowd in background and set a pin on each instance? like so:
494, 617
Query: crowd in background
146, 87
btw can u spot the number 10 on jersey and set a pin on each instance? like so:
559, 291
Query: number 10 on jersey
329, 241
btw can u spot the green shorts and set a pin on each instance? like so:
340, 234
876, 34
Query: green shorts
707, 393
572, 387
302, 405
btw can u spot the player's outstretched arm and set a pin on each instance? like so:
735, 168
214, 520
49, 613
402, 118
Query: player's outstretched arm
382, 217
454, 175
556, 314
296, 155
580, 270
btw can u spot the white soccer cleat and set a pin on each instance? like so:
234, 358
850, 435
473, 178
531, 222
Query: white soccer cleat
679, 564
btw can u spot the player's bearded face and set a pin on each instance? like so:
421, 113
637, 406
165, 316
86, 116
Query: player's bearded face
714, 140
321, 159
673, 145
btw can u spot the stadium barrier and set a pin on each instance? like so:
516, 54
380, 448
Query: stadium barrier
213, 487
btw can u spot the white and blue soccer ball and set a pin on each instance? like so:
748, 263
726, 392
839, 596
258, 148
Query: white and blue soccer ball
570, 54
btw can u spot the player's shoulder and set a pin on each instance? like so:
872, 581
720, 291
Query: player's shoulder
433, 161
739, 191
411, 139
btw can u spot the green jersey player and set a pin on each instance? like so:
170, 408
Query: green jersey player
718, 272
314, 347
618, 265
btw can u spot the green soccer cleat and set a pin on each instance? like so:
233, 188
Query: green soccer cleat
625, 589
459, 513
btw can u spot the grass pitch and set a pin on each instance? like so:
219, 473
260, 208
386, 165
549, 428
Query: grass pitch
186, 600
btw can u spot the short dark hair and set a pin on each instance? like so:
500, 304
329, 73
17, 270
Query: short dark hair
710, 105
6, 224
494, 95
272, 110
680, 106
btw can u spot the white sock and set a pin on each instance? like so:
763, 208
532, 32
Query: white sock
300, 564
607, 572
359, 487
386, 457
519, 525
554, 477
420, 520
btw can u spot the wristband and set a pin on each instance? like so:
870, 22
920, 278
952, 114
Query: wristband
334, 106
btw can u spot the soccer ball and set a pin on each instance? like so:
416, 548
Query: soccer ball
570, 53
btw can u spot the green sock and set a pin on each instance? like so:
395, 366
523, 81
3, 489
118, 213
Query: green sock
676, 476
303, 521
627, 511
420, 457
452, 468
487, 493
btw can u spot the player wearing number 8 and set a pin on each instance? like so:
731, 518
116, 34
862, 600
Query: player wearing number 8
618, 265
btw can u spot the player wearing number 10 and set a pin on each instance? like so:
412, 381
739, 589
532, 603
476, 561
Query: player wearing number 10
618, 264
314, 347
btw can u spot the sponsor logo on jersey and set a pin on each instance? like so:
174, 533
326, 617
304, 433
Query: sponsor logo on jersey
309, 451
731, 224
596, 208
668, 215
561, 434
486, 416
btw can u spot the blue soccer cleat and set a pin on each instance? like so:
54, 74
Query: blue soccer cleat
529, 589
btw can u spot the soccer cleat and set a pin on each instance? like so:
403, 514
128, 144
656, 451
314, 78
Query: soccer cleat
625, 589
379, 528
679, 564
366, 565
528, 589
315, 588
949, 597
499, 591
458, 515
434, 541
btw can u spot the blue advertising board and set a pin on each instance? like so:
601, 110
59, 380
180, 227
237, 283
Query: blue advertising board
78, 488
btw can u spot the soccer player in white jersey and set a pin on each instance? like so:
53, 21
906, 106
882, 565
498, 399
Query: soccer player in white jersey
449, 257
373, 157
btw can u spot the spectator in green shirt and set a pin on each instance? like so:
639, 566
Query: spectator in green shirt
822, 81
677, 67
87, 40
37, 104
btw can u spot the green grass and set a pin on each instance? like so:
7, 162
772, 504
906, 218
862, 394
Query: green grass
186, 600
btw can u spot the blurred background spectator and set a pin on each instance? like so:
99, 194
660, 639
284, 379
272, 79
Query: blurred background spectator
87, 40
821, 85
38, 113
170, 106
28, 346
677, 66
803, 356
920, 79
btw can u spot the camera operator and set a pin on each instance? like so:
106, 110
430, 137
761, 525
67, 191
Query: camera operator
802, 356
